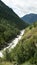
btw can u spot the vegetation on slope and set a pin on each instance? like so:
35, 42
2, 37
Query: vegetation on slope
10, 25
26, 50
7, 14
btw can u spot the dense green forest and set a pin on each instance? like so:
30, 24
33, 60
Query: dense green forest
25, 52
10, 25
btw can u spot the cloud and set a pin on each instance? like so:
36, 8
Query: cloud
22, 7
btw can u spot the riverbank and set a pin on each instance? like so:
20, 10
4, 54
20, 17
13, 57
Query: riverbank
13, 43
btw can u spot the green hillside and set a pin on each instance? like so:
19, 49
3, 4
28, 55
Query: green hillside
25, 52
8, 14
10, 25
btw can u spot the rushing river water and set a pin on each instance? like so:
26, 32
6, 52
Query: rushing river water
13, 43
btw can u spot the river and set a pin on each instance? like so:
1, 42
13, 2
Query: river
13, 43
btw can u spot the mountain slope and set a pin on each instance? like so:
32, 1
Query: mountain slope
25, 52
30, 18
10, 25
8, 14
26, 49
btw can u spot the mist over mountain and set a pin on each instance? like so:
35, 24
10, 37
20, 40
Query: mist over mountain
30, 18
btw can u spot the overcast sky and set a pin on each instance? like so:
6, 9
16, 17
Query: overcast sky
22, 7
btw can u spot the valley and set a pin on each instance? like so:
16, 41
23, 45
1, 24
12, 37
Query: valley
10, 25
25, 52
18, 38
13, 43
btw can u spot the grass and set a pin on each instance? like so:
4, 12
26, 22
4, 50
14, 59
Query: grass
30, 36
26, 63
6, 63
30, 33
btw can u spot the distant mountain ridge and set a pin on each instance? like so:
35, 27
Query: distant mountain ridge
30, 18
